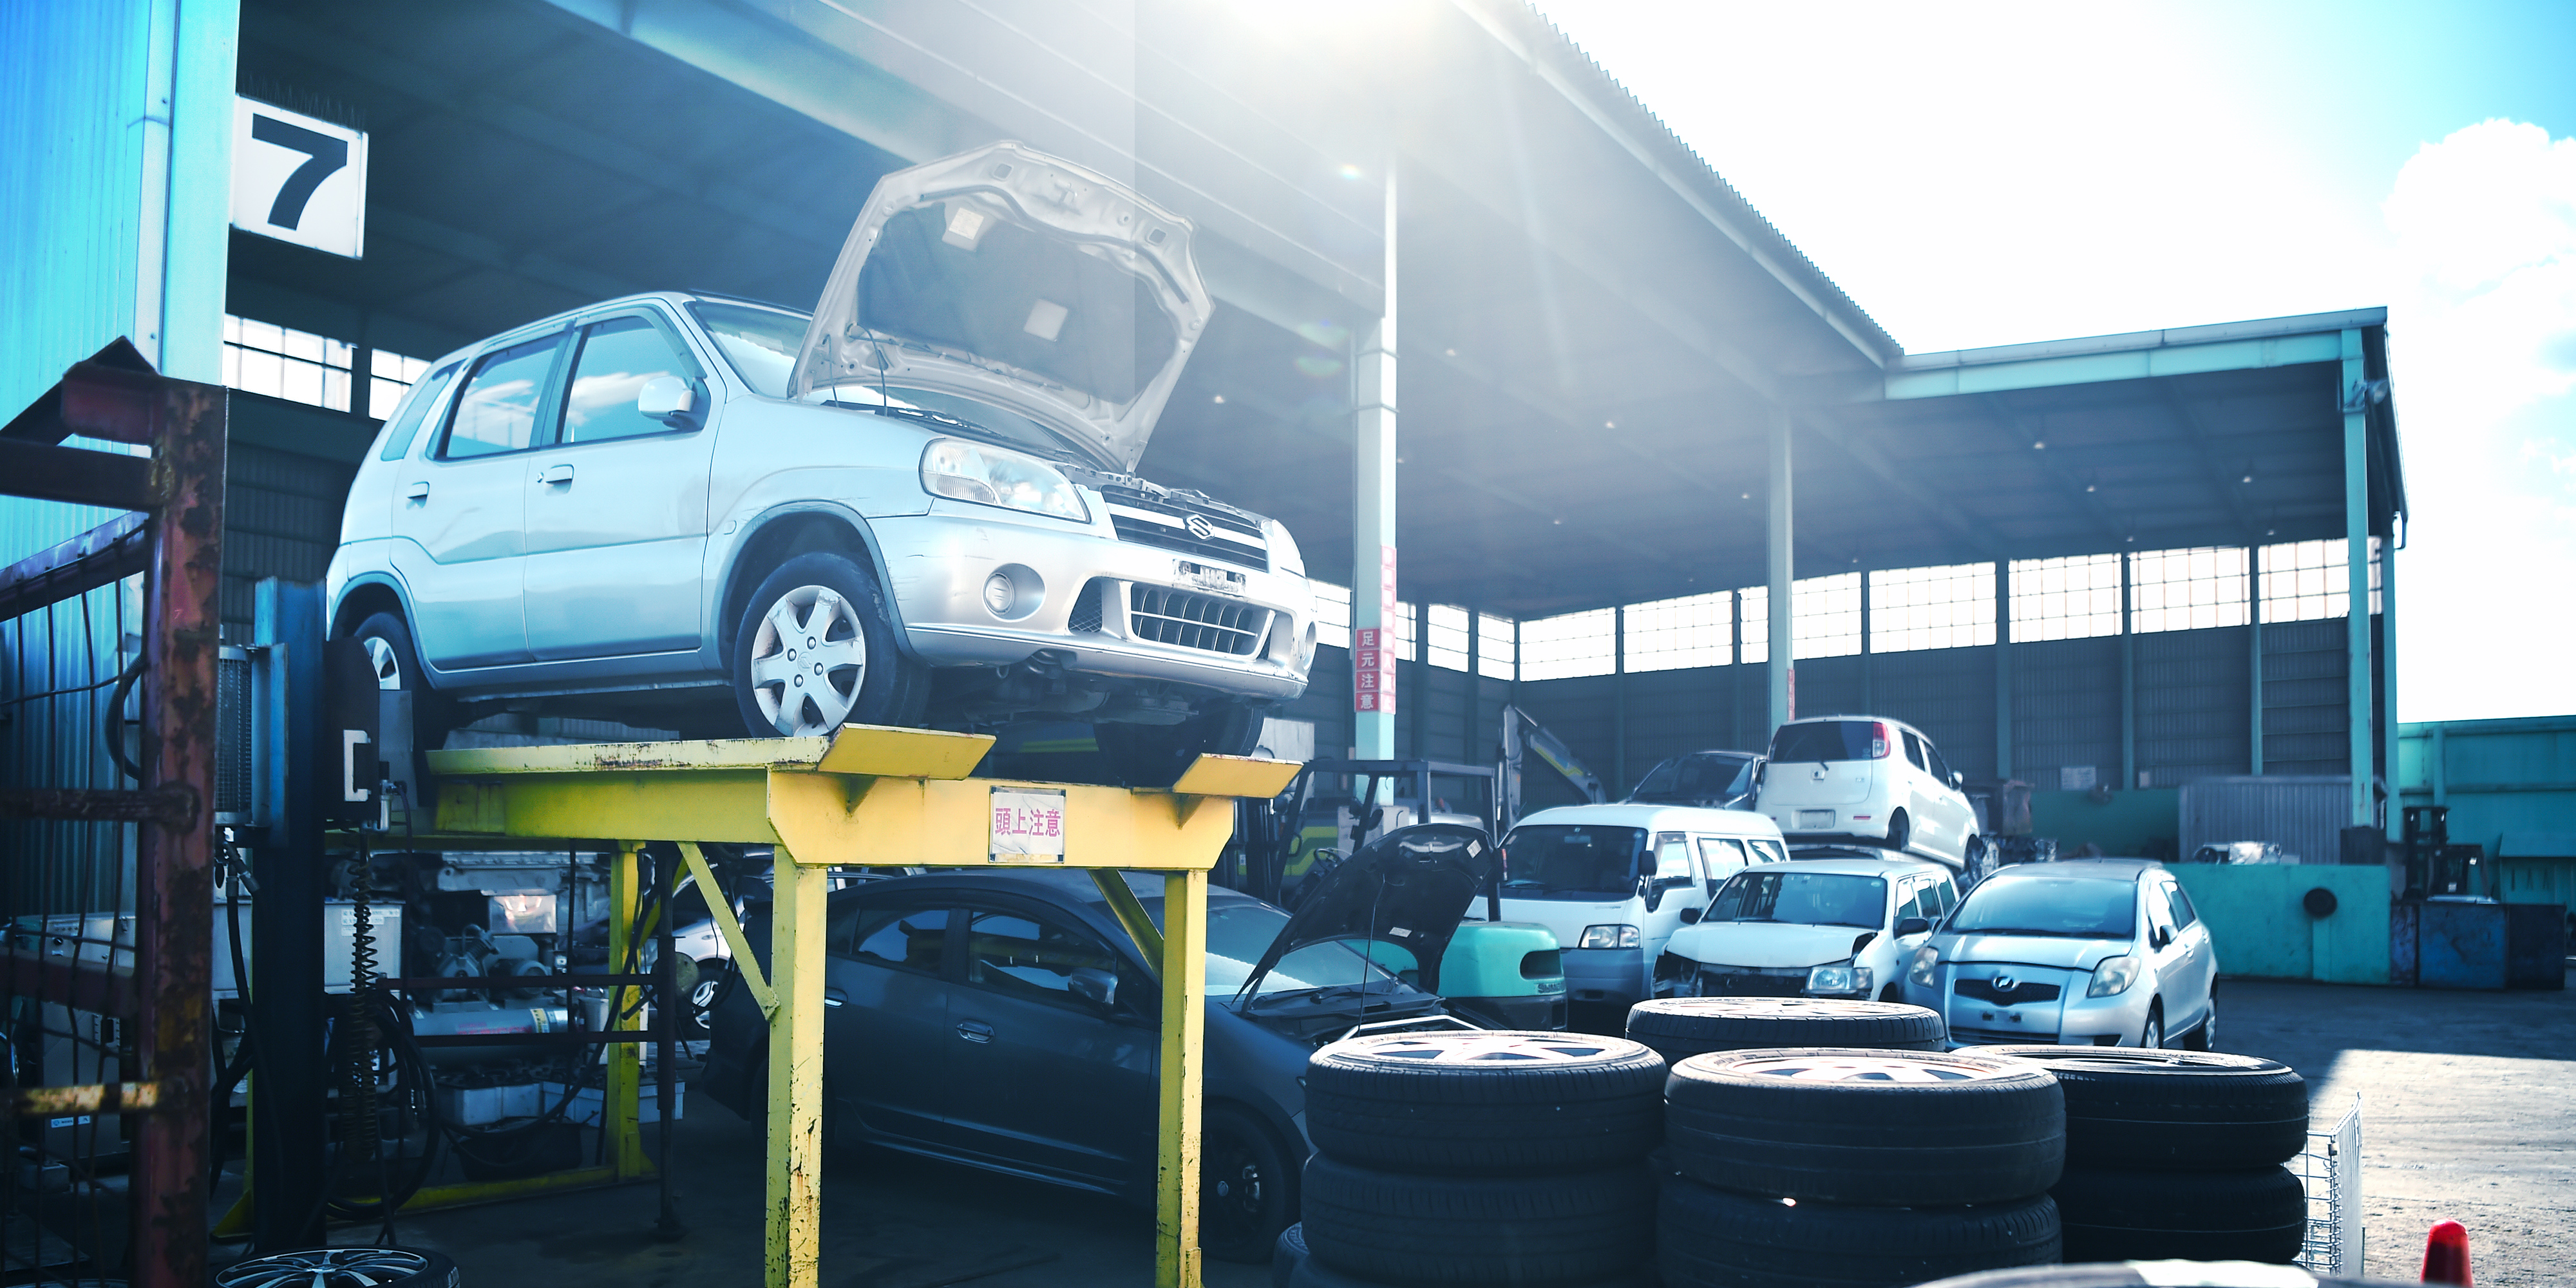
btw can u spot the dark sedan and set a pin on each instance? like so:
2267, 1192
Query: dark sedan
1006, 1021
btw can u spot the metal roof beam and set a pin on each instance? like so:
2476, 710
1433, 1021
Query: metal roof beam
2229, 493
2100, 368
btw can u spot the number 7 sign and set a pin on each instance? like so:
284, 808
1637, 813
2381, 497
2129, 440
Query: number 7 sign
299, 179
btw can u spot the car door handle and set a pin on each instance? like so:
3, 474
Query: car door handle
835, 997
416, 492
975, 1031
556, 474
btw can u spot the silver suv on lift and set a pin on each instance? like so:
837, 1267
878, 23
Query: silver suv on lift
917, 504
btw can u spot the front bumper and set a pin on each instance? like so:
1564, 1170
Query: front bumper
1616, 975
2071, 1019
1253, 638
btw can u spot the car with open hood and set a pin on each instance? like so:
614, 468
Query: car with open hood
2099, 952
1829, 927
919, 502
1006, 1020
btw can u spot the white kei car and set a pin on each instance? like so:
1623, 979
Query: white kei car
1872, 780
1816, 928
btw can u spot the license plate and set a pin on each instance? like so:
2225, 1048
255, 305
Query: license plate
1815, 820
1221, 580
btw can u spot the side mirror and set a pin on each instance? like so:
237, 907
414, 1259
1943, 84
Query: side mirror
1093, 985
1690, 916
2158, 936
668, 399
1911, 926
1958, 780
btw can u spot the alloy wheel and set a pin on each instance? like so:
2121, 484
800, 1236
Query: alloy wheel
808, 659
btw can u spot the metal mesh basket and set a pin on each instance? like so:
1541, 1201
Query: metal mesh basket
2330, 1170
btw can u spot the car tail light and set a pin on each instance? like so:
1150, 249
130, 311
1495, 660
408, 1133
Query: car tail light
1879, 742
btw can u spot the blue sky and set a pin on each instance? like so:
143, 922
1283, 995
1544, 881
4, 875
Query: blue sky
1994, 173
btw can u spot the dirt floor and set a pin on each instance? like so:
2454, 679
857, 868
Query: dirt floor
2469, 1113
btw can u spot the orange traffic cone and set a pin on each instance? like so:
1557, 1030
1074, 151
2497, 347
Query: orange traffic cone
2446, 1254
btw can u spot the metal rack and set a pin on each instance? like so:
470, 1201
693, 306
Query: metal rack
2329, 1169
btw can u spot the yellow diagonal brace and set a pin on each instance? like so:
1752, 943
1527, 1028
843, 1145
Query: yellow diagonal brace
744, 963
1131, 914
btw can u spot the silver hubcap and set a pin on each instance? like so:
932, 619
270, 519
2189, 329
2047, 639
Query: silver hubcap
380, 656
1888, 1068
325, 1268
808, 659
1446, 1048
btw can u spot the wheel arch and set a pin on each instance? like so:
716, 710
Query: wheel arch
367, 596
781, 535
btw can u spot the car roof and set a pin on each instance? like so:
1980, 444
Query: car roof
2096, 869
1730, 822
1859, 867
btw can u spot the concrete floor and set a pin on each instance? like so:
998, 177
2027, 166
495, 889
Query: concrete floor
2469, 1107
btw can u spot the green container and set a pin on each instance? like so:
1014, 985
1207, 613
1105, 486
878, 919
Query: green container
1507, 973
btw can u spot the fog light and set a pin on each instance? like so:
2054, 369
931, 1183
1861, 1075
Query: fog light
999, 592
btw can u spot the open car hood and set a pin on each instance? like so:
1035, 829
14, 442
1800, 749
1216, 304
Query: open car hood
1012, 277
1410, 887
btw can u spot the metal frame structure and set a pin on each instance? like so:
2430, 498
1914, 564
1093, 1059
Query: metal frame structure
164, 990
883, 797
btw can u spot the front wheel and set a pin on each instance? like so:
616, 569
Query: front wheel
2153, 1036
816, 650
395, 662
1247, 1189
2205, 1037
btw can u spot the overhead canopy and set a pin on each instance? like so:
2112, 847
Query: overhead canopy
1594, 327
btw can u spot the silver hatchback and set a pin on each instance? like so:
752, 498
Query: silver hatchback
2105, 952
917, 504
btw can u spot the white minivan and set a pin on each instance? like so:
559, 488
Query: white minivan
1612, 881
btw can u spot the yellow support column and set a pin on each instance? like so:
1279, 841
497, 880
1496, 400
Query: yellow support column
625, 1138
1176, 1201
796, 1072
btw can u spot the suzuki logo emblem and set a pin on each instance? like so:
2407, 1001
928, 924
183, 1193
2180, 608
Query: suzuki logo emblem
1199, 527
2005, 983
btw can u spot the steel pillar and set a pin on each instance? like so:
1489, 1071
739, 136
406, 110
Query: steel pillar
288, 1133
2254, 659
1784, 672
2356, 552
2128, 683
2003, 670
2388, 675
1618, 699
1373, 503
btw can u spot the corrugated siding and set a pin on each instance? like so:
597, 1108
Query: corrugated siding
2191, 705
281, 519
1947, 693
2066, 709
2304, 815
2304, 699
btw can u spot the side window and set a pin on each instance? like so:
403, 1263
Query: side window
1672, 857
1914, 751
1722, 856
1768, 851
498, 410
617, 357
2159, 911
2183, 914
406, 426
1945, 896
1911, 905
1940, 767
902, 935
1026, 957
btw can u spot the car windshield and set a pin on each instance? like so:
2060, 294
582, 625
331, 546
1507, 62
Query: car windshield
1697, 778
1828, 740
1558, 861
1239, 933
760, 344
2074, 907
1806, 898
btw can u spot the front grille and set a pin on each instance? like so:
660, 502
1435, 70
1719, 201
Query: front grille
1749, 984
2001, 1037
1085, 618
1166, 616
1984, 991
1163, 522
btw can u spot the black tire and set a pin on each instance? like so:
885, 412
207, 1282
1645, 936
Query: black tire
1247, 1187
2135, 1108
2204, 1035
1899, 831
1681, 1027
1485, 1104
861, 675
343, 1267
2151, 1035
395, 657
1710, 1237
1311, 1273
2112, 1215
1153, 756
1531, 1231
1882, 1128
1286, 1255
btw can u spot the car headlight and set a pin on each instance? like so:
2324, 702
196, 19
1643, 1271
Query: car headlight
1610, 937
1284, 554
990, 475
2113, 977
1925, 958
1844, 978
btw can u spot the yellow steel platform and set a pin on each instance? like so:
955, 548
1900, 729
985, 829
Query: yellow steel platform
881, 797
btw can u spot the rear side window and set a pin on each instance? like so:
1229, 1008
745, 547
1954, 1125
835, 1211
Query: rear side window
1721, 855
1940, 768
2182, 909
415, 409
498, 411
617, 357
907, 936
1914, 751
1830, 740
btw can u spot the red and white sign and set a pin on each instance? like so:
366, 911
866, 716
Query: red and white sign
1028, 826
1372, 671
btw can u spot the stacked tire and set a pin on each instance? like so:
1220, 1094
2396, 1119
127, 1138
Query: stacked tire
2177, 1155
1681, 1027
1855, 1168
1477, 1158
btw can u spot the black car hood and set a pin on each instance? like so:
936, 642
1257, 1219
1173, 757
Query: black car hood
1410, 887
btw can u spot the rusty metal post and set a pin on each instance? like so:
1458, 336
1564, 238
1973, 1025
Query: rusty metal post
174, 931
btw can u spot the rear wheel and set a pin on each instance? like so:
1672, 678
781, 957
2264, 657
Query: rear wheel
1247, 1188
2205, 1036
816, 650
1899, 831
